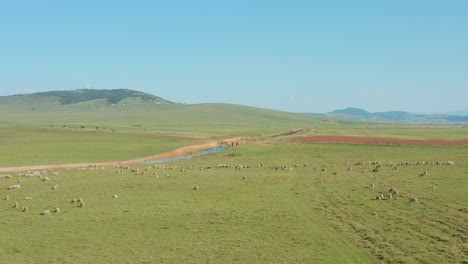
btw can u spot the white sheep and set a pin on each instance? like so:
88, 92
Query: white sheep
45, 212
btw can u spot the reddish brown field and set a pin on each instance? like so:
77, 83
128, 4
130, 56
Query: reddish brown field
375, 140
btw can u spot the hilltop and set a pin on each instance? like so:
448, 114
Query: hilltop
79, 98
114, 96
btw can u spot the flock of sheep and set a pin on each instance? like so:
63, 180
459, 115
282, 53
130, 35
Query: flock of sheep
376, 165
42, 177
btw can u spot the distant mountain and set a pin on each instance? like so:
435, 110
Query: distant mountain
356, 112
394, 116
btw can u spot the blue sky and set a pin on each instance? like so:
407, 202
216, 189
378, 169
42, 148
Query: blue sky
297, 56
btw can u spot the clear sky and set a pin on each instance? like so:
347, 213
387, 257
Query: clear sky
297, 56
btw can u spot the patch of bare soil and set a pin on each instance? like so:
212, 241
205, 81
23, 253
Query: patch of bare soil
377, 141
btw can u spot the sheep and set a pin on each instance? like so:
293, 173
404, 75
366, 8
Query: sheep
7, 197
82, 204
80, 200
45, 212
413, 200
45, 179
16, 205
195, 188
28, 198
115, 196
424, 173
5, 177
379, 197
57, 210
390, 196
55, 187
24, 208
73, 201
14, 186
372, 185
395, 192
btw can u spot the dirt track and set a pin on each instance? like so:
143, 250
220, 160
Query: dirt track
175, 153
377, 141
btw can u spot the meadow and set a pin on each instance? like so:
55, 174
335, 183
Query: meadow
317, 210
321, 208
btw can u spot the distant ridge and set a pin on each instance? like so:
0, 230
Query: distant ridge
111, 96
352, 113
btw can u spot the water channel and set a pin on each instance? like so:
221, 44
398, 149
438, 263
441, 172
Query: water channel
201, 153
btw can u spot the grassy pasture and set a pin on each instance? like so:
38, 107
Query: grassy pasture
303, 215
35, 146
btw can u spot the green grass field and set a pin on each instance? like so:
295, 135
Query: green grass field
324, 212
252, 215
36, 146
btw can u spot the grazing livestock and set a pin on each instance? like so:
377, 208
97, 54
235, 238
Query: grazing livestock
5, 177
73, 201
379, 197
195, 188
82, 204
55, 187
28, 198
413, 200
115, 196
24, 208
45, 179
57, 210
45, 212
7, 197
14, 186
16, 205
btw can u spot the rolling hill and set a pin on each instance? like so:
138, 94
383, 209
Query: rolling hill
80, 97
128, 109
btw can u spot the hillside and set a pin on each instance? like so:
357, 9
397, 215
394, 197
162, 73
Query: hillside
126, 109
111, 96
78, 98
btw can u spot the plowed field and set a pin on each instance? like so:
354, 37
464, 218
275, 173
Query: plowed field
376, 140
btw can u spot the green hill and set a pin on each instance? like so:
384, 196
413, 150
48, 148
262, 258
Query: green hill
80, 98
127, 109
111, 96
